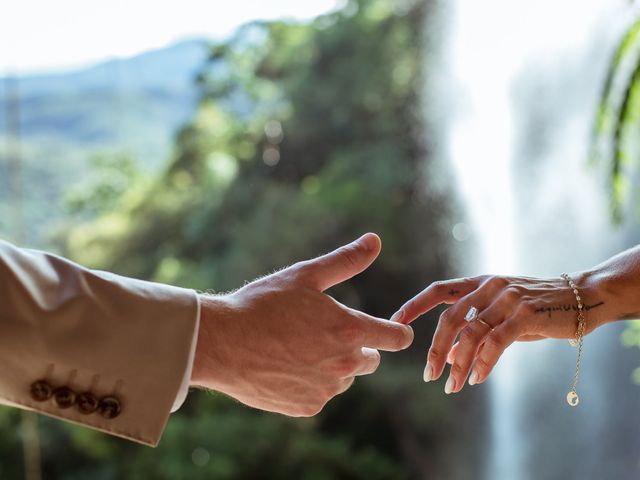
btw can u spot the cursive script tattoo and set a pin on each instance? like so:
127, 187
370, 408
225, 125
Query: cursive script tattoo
565, 308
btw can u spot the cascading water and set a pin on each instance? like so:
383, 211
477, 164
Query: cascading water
524, 82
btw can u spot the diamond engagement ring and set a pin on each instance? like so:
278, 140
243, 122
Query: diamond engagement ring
471, 315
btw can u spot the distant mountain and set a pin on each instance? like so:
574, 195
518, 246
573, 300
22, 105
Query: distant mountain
131, 106
173, 68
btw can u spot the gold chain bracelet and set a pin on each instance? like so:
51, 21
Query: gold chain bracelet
572, 397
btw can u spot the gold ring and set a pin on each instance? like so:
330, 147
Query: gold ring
484, 323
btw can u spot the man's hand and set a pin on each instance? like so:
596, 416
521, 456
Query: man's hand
280, 344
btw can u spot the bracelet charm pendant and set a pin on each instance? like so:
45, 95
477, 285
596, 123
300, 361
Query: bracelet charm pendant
573, 399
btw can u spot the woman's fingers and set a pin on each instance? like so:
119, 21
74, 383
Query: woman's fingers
451, 357
472, 337
494, 346
448, 292
485, 331
530, 338
481, 341
451, 322
447, 330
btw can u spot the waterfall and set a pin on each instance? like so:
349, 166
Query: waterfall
522, 84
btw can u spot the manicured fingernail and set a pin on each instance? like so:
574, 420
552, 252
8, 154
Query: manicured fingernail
397, 316
450, 385
473, 379
428, 373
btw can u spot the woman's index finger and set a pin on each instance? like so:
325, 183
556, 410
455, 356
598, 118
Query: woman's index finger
445, 291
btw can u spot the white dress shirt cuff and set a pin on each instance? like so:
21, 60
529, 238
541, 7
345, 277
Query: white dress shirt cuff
184, 386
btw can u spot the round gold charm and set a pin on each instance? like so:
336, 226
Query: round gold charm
573, 399
573, 342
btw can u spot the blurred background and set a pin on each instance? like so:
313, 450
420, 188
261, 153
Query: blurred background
202, 145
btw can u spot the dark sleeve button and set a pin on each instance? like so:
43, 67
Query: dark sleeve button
109, 407
64, 397
87, 403
41, 391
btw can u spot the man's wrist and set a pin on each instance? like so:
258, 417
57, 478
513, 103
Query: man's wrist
213, 310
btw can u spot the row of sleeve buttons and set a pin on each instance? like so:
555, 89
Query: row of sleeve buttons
86, 402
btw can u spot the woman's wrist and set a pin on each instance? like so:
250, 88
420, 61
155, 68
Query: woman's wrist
609, 295
599, 303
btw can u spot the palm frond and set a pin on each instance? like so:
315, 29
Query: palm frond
615, 115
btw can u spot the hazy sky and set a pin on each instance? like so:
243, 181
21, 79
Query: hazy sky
60, 34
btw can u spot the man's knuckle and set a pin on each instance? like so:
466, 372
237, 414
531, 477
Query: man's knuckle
351, 333
348, 256
345, 366
330, 392
312, 410
344, 386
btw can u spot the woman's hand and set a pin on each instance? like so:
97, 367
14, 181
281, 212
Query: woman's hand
509, 309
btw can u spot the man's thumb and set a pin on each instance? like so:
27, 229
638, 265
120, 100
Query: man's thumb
345, 262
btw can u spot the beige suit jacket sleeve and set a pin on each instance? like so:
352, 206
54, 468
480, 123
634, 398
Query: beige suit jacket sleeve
90, 347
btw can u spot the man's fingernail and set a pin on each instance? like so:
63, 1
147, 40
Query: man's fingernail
397, 316
473, 379
428, 373
450, 385
367, 241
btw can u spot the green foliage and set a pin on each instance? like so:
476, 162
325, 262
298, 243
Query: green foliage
631, 338
133, 106
307, 135
250, 444
617, 136
617, 126
114, 175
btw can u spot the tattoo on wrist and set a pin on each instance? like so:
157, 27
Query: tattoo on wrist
565, 307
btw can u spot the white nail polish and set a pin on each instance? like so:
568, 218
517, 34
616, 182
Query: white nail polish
449, 386
473, 379
427, 376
